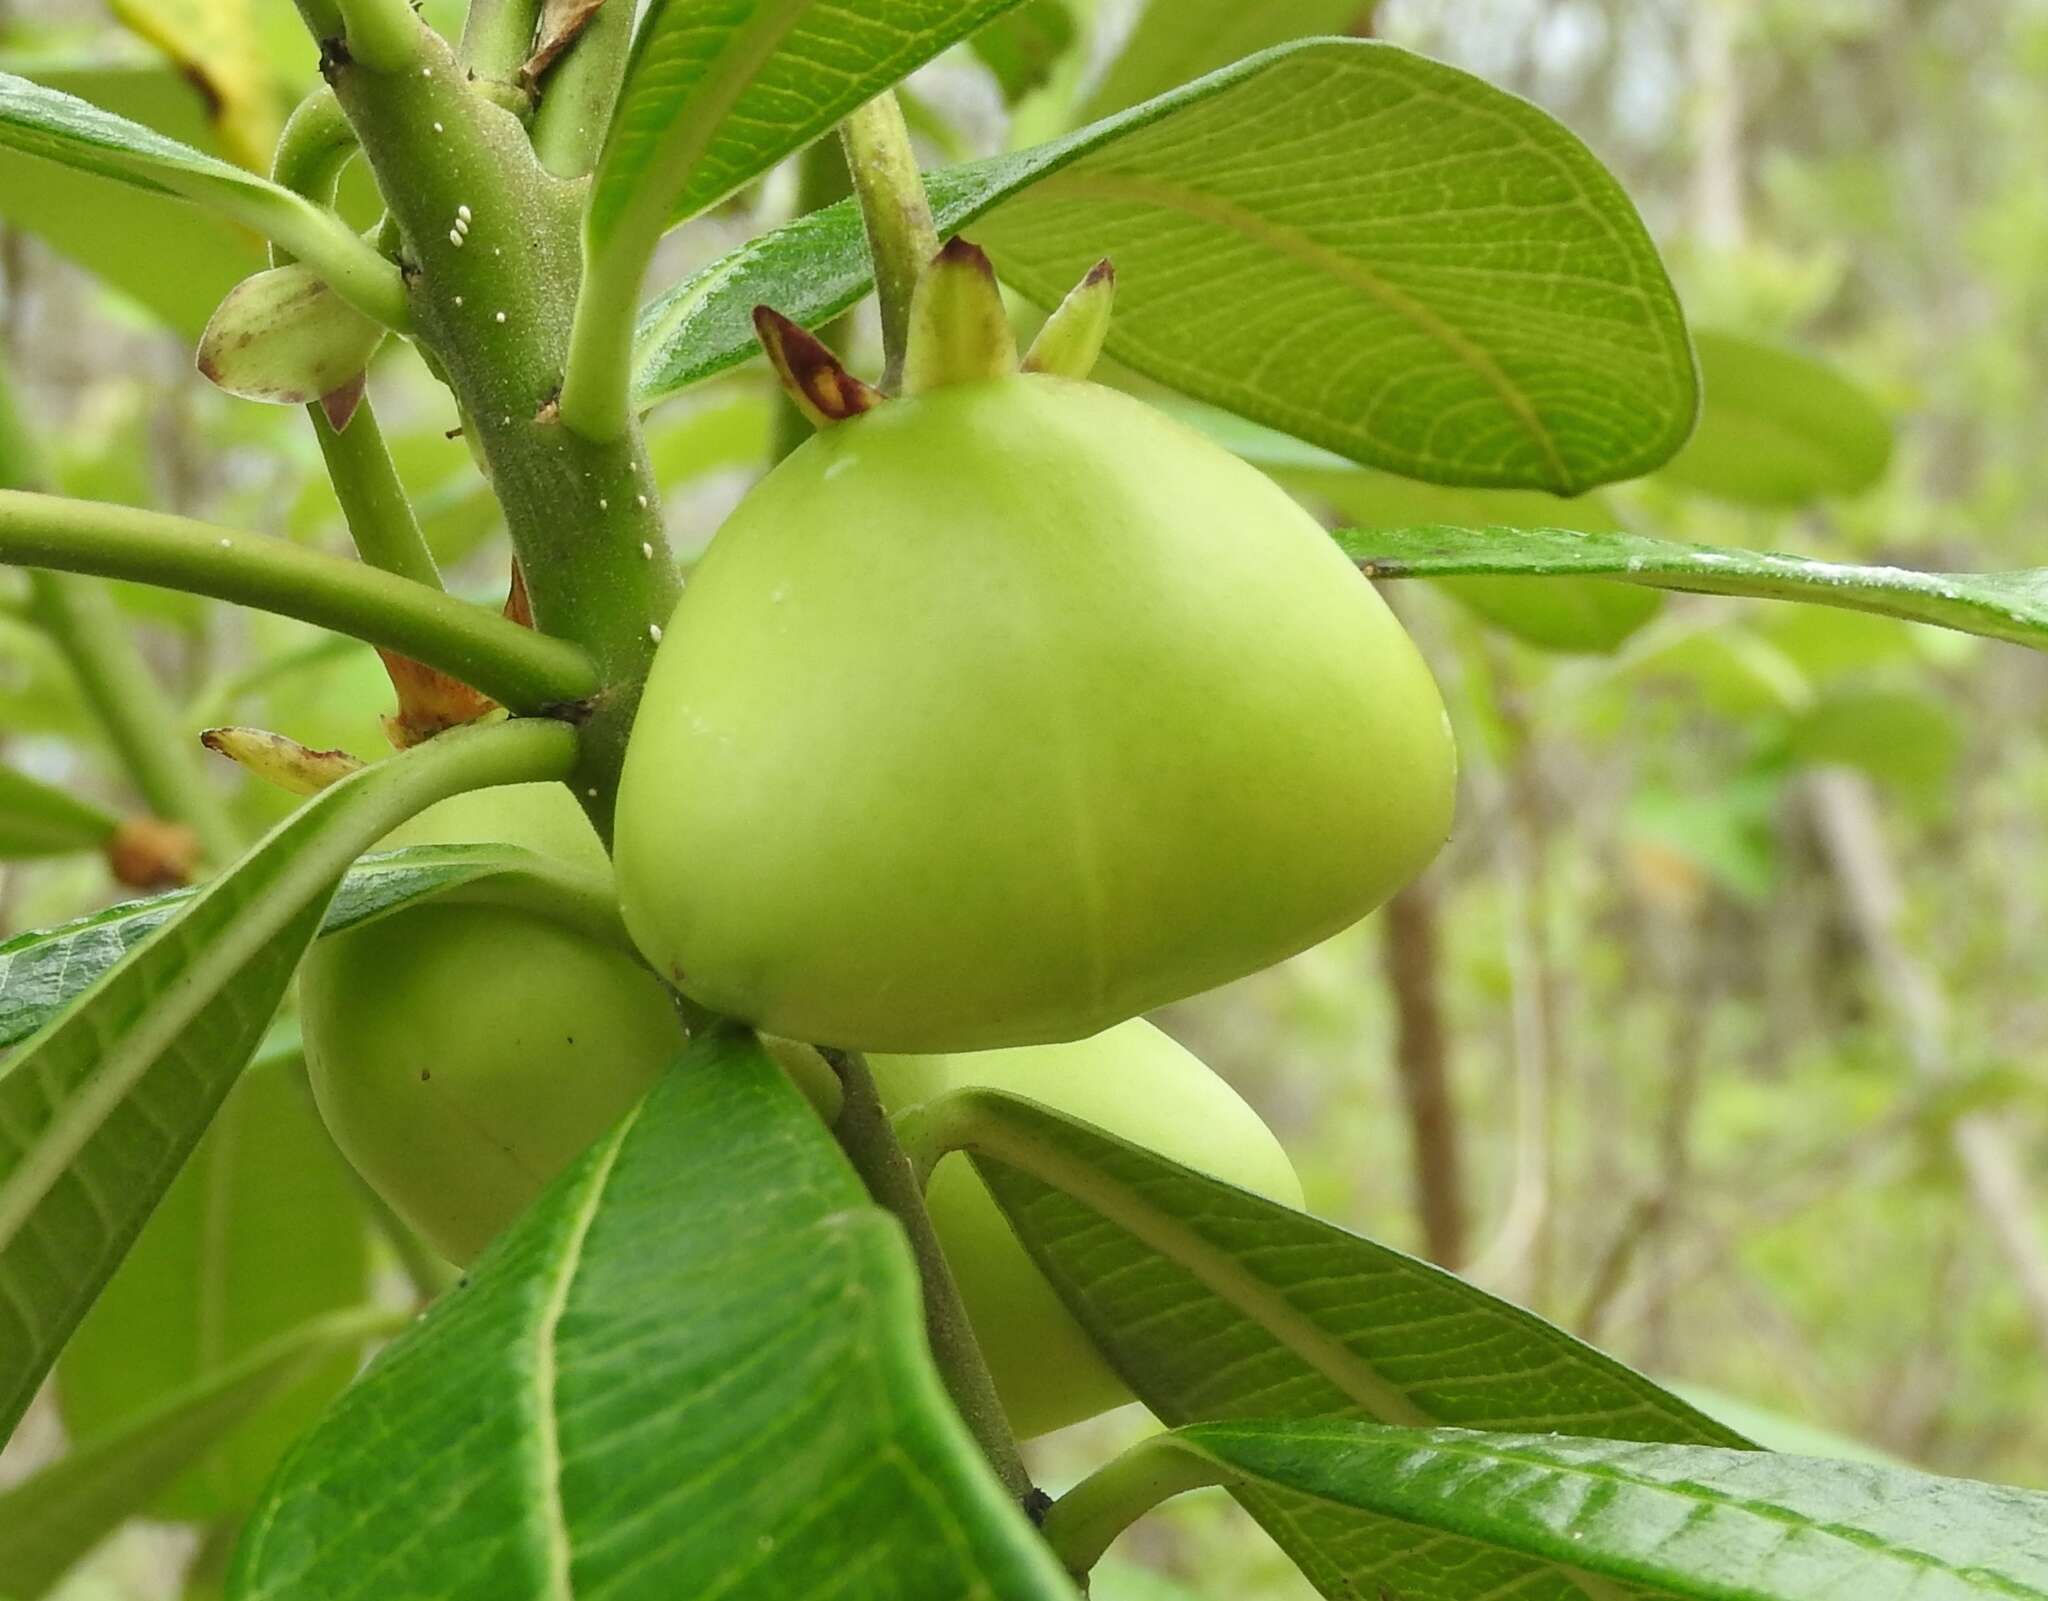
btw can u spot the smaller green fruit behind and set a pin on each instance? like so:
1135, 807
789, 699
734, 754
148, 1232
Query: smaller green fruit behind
463, 1053
999, 715
1133, 1081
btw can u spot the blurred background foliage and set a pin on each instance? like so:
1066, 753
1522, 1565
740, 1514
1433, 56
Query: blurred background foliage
1717, 1034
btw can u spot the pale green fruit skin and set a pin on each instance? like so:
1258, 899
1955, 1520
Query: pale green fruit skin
1134, 1082
1000, 715
463, 1054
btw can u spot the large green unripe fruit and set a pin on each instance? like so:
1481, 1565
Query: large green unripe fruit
999, 715
1138, 1084
464, 1052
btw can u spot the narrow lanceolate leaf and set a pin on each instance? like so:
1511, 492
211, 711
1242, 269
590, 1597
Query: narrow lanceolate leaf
50, 1521
57, 127
2012, 606
99, 1110
42, 972
693, 1369
1779, 428
1601, 1518
38, 819
1496, 315
1213, 1303
715, 95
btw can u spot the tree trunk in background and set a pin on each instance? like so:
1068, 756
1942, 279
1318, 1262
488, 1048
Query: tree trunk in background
1846, 816
1421, 1056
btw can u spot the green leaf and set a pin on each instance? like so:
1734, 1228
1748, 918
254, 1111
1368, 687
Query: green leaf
716, 95
1023, 48
1779, 429
1505, 322
1902, 737
1601, 1517
217, 44
1587, 614
100, 1109
1214, 1303
38, 819
694, 1369
1176, 41
58, 127
2012, 606
49, 1522
193, 258
43, 971
261, 1233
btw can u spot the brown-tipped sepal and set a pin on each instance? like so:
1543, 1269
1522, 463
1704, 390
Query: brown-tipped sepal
281, 761
817, 383
959, 331
429, 702
284, 337
1070, 343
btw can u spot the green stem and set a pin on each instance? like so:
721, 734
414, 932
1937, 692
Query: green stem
578, 94
901, 237
1082, 1524
315, 145
127, 697
322, 18
373, 501
497, 37
527, 671
383, 35
869, 1141
124, 692
494, 311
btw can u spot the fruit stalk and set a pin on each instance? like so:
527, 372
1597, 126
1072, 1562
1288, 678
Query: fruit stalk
1082, 1524
491, 246
865, 1134
901, 236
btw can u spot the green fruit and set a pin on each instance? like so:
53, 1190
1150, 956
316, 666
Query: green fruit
1138, 1084
1000, 715
464, 1052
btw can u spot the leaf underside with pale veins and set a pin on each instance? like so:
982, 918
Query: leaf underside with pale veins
1596, 1520
43, 971
1215, 1304
694, 1369
1398, 262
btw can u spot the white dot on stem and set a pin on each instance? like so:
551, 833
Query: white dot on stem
654, 632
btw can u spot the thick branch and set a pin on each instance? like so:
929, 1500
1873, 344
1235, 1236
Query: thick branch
525, 670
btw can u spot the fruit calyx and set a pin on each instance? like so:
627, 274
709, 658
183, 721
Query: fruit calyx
959, 332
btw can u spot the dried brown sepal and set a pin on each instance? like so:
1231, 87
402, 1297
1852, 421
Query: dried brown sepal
518, 603
1070, 343
147, 853
339, 405
560, 23
815, 380
959, 331
281, 761
429, 702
